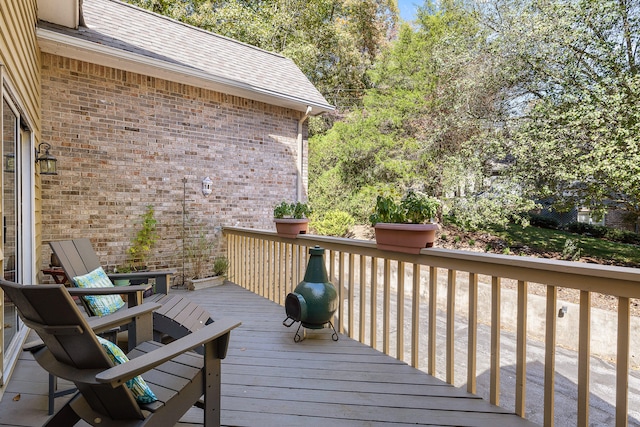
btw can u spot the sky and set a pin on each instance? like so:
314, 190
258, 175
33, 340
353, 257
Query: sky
408, 8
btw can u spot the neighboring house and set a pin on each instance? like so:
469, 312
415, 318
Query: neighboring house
138, 110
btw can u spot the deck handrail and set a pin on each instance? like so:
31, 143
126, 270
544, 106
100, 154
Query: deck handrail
271, 266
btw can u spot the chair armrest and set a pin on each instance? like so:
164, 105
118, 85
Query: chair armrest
112, 290
121, 373
122, 317
163, 278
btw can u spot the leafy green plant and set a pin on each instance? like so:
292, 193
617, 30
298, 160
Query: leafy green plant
414, 207
297, 210
571, 250
334, 223
143, 241
220, 265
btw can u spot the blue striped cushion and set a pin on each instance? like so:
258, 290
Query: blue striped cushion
137, 385
100, 305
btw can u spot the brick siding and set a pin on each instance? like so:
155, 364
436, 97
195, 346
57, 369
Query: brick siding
124, 141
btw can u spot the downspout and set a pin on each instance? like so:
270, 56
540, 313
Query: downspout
301, 153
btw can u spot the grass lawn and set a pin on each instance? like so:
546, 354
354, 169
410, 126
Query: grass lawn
545, 240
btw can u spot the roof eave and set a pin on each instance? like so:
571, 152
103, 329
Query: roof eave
75, 48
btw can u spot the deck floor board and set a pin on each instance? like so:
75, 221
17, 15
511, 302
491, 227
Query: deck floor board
269, 380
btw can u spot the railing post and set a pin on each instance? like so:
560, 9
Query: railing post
415, 318
622, 363
433, 311
473, 333
521, 350
494, 391
451, 325
584, 355
363, 296
550, 356
400, 312
373, 330
386, 306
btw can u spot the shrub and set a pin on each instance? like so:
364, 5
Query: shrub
543, 222
571, 250
334, 223
587, 229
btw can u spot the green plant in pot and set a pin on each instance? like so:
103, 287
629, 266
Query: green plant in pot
291, 218
405, 226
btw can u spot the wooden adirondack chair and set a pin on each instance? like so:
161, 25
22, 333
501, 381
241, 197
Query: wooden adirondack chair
176, 317
71, 350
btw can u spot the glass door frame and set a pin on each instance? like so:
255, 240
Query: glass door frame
25, 218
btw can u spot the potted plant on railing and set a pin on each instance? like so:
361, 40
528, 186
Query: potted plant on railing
291, 219
405, 226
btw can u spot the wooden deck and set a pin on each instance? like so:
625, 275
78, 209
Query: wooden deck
270, 380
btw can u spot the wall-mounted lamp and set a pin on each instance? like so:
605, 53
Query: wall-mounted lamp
46, 161
207, 185
10, 162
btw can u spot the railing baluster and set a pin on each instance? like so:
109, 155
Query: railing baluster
400, 312
550, 356
288, 274
451, 325
341, 292
352, 272
386, 306
363, 296
494, 388
472, 344
521, 350
373, 330
415, 318
584, 359
433, 311
622, 363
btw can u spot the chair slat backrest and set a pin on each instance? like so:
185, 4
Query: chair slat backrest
76, 256
51, 312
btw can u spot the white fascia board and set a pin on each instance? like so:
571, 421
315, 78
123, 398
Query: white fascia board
82, 50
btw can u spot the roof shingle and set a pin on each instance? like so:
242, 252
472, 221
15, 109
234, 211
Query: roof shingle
158, 41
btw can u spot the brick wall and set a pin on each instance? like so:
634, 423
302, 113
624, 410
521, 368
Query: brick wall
125, 141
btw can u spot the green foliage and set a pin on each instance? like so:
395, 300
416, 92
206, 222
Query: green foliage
220, 265
422, 125
201, 245
297, 210
575, 89
144, 240
492, 208
414, 207
543, 221
571, 250
333, 223
600, 231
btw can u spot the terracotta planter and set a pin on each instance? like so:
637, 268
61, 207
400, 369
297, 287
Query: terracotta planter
406, 238
289, 227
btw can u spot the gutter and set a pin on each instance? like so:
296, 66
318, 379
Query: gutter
300, 183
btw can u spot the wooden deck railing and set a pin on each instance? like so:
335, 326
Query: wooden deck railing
375, 287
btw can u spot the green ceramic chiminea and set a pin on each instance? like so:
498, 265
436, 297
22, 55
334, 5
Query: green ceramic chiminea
314, 300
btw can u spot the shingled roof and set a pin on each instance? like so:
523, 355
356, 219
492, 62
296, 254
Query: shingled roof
123, 36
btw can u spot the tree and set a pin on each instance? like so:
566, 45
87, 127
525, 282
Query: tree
575, 88
426, 123
334, 42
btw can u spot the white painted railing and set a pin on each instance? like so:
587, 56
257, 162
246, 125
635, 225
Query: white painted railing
384, 309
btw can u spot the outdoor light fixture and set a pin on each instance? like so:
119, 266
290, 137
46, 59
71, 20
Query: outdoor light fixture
207, 186
10, 162
46, 161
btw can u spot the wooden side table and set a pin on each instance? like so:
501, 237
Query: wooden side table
58, 275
